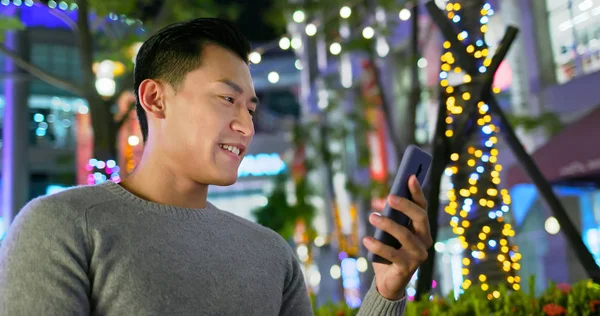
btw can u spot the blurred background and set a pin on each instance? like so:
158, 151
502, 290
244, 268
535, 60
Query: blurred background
345, 86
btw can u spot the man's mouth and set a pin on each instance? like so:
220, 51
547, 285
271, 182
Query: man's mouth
232, 148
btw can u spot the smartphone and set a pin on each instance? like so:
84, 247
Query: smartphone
415, 161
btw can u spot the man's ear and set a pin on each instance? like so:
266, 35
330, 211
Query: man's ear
151, 94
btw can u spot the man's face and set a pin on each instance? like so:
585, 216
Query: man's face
208, 121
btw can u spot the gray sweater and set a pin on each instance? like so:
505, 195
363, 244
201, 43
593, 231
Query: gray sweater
100, 250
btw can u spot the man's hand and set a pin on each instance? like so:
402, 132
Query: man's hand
391, 280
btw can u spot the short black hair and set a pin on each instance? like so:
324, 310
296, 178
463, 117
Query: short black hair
175, 50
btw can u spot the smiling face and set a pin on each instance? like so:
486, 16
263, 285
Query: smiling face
206, 125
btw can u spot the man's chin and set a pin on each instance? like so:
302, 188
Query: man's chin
225, 181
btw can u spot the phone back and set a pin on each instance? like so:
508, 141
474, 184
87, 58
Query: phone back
415, 161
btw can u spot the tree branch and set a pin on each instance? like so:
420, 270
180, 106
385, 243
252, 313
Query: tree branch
39, 73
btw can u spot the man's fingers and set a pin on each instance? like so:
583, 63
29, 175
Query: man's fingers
419, 217
417, 192
410, 242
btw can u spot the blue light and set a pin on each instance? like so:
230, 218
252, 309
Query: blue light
464, 34
487, 6
93, 162
474, 176
456, 19
411, 291
63, 5
492, 215
443, 75
486, 129
492, 243
40, 132
28, 3
480, 169
490, 12
342, 255
482, 69
261, 165
17, 2
484, 108
479, 43
51, 4
484, 19
504, 208
111, 164
485, 158
5, 2
38, 117
468, 201
448, 172
489, 144
454, 219
499, 213
467, 208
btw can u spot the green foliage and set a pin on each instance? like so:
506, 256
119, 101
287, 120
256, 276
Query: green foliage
9, 23
549, 121
583, 299
279, 215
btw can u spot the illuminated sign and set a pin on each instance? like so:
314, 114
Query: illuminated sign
261, 165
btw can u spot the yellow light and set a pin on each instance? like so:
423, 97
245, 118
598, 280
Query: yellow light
507, 226
477, 54
466, 284
480, 246
494, 173
471, 162
472, 181
454, 169
465, 271
451, 101
483, 12
457, 110
466, 261
480, 122
511, 279
466, 96
454, 157
446, 67
464, 193
467, 79
460, 230
464, 244
484, 52
470, 49
496, 181
493, 152
482, 236
449, 89
506, 263
482, 202
484, 28
449, 133
473, 190
457, 70
463, 213
503, 242
486, 229
517, 255
456, 6
444, 83
487, 62
487, 118
478, 153
505, 249
446, 44
499, 168
490, 203
484, 287
471, 150
453, 224
516, 287
496, 90
496, 294
494, 140
449, 7
517, 279
501, 257
482, 278
449, 120
516, 266
506, 269
466, 224
492, 192
450, 15
490, 297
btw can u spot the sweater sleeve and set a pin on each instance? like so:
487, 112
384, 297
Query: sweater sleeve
376, 305
43, 261
295, 295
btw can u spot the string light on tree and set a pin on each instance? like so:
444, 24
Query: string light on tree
284, 43
404, 14
368, 32
476, 204
255, 57
311, 29
345, 12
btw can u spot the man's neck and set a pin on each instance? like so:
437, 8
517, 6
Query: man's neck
155, 181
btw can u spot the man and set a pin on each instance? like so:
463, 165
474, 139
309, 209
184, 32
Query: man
153, 245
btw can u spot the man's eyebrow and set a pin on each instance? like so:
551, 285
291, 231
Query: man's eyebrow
238, 89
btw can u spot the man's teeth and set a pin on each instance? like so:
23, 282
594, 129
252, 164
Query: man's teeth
232, 149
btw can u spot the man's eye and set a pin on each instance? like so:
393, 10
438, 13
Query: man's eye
251, 112
229, 99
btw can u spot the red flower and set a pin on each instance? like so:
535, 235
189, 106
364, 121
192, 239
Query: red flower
593, 304
554, 309
340, 313
564, 288
425, 312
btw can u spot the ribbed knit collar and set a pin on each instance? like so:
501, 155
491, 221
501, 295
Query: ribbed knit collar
164, 209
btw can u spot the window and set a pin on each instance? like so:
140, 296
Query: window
59, 60
575, 36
